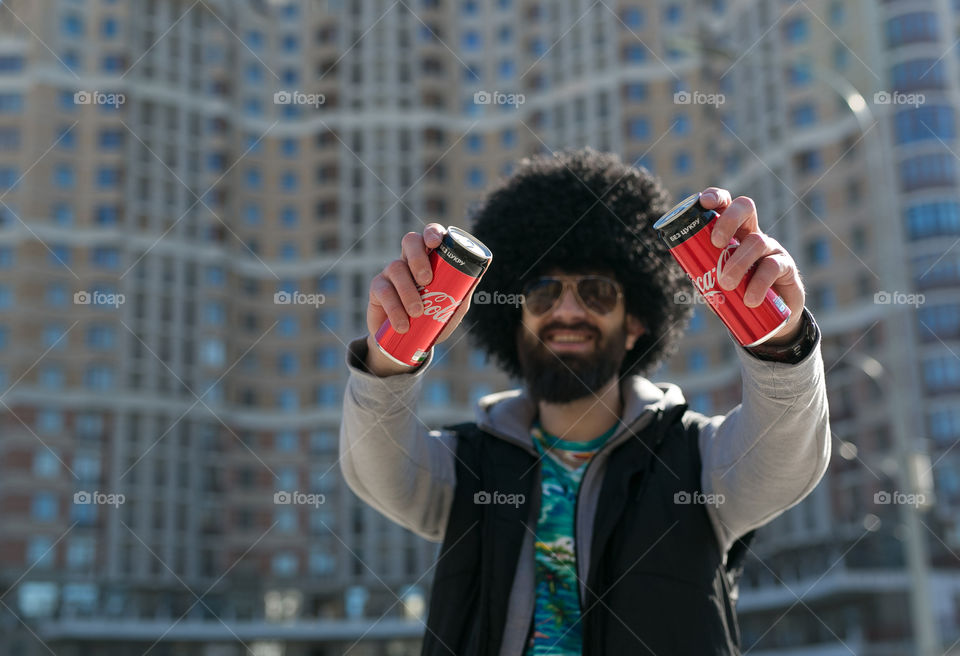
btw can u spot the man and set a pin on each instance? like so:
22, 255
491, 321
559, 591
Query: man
590, 511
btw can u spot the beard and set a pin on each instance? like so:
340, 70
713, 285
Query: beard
564, 377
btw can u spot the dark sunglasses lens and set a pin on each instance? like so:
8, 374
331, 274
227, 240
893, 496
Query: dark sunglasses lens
598, 294
541, 295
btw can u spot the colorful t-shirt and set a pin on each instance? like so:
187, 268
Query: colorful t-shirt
556, 618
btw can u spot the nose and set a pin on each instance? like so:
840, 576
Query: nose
568, 305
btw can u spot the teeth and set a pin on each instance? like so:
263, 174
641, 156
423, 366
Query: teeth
569, 338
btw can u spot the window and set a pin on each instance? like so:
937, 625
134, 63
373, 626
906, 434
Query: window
934, 219
101, 337
696, 360
286, 441
72, 25
328, 395
437, 393
632, 17
287, 363
673, 13
805, 114
925, 122
639, 128
682, 162
44, 507
635, 53
933, 170
918, 74
98, 377
107, 177
40, 553
63, 176
796, 30
106, 215
288, 399
288, 216
284, 564
109, 27
476, 178
471, 41
915, 27
636, 91
105, 257
818, 251
45, 463
12, 103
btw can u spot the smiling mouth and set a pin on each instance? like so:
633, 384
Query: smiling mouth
569, 339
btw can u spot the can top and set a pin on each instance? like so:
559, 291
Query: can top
677, 211
469, 246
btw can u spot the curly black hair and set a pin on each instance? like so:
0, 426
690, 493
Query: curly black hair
577, 211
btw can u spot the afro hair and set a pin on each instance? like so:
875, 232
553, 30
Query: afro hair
579, 211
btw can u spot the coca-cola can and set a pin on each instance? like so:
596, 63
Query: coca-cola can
457, 264
686, 229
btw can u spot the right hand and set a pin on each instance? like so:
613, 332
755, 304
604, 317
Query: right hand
394, 294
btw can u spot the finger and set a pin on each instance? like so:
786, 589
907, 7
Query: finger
398, 273
715, 198
433, 234
383, 294
752, 248
768, 272
738, 218
414, 253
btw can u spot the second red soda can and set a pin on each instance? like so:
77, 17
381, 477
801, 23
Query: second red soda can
686, 229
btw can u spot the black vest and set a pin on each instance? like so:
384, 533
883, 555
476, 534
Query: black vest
656, 581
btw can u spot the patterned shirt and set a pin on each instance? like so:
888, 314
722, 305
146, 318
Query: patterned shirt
556, 617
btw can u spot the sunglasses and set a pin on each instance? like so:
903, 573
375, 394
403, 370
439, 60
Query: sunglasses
597, 294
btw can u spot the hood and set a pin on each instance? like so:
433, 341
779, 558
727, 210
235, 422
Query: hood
510, 413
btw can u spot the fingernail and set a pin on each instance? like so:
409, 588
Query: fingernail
424, 276
710, 197
717, 239
403, 326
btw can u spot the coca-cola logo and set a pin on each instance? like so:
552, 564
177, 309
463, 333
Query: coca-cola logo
708, 280
439, 306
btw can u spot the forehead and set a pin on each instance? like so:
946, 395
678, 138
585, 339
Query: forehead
557, 272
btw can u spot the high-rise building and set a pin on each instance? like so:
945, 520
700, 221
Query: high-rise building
195, 196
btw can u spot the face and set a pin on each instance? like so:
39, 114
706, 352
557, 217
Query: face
573, 350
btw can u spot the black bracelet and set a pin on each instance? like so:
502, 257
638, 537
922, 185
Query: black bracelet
795, 351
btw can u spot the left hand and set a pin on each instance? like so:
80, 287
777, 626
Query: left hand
775, 268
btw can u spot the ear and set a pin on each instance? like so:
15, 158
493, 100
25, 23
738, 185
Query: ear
635, 329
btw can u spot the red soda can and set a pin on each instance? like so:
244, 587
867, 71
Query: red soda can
686, 229
457, 265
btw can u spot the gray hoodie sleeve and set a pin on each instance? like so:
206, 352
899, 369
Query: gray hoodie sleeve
770, 451
385, 448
